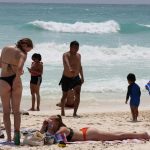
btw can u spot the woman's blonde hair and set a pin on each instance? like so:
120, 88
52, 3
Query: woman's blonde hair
26, 41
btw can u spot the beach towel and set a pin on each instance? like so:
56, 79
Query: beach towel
125, 141
110, 142
3, 142
147, 86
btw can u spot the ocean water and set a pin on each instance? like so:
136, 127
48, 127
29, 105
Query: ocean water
114, 41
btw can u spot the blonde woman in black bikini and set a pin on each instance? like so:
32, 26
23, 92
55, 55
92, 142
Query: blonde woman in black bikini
11, 62
55, 125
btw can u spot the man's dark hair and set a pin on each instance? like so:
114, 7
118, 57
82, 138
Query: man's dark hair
131, 77
74, 43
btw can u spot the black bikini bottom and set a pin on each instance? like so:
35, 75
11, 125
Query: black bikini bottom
9, 79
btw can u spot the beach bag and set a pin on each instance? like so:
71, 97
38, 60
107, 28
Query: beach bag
49, 139
147, 86
53, 139
36, 139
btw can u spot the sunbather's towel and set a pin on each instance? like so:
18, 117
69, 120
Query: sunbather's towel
4, 142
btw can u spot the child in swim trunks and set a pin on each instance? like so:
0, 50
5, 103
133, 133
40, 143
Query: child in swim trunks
134, 93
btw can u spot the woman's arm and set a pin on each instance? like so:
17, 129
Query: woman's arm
0, 62
63, 130
21, 64
44, 126
38, 70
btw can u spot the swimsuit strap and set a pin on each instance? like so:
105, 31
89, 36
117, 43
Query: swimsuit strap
8, 63
10, 66
69, 137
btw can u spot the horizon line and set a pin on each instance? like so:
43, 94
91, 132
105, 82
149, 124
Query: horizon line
76, 3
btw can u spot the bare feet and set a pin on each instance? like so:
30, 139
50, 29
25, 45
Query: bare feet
135, 120
146, 136
38, 109
62, 113
9, 140
31, 109
58, 104
76, 116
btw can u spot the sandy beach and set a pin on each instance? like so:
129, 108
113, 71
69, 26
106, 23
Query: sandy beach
113, 42
91, 115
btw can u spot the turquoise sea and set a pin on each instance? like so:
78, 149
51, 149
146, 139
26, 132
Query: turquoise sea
114, 41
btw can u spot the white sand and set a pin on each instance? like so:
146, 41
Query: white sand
101, 116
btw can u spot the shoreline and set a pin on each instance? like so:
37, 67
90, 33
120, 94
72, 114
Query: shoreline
99, 105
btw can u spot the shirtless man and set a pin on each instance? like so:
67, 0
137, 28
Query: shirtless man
11, 62
72, 76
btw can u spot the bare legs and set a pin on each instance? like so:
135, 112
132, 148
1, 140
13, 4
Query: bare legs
11, 97
35, 93
95, 134
16, 99
77, 91
134, 112
124, 136
33, 101
63, 99
5, 98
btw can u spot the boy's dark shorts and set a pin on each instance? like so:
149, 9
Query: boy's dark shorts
134, 103
69, 83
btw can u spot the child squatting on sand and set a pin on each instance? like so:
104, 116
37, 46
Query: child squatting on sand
134, 93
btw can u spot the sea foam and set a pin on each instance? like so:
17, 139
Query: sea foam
91, 54
110, 26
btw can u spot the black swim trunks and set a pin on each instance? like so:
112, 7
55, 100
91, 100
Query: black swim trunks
69, 83
36, 80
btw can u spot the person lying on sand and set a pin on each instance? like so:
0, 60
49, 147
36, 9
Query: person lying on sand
69, 100
55, 125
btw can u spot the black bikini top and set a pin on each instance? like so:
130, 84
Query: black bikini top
69, 137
